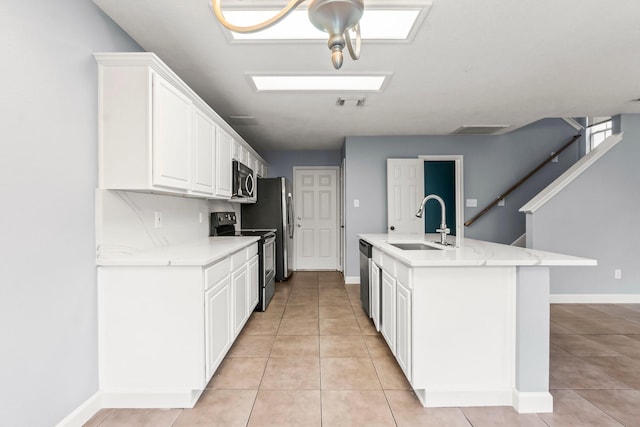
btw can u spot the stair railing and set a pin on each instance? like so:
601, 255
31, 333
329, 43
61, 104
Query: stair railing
521, 181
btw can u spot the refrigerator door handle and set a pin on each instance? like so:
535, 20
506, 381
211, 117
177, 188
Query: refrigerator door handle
290, 214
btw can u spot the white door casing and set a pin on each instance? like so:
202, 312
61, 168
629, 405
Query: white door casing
405, 191
316, 236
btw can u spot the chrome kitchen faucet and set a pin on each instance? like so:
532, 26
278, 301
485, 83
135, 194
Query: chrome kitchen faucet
443, 230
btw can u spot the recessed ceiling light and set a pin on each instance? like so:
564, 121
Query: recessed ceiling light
318, 83
376, 24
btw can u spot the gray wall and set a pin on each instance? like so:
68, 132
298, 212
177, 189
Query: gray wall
596, 216
491, 165
281, 163
48, 175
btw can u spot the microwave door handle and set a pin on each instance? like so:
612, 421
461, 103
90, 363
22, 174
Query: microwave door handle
249, 181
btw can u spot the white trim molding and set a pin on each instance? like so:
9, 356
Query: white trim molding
571, 174
83, 413
352, 280
532, 402
594, 298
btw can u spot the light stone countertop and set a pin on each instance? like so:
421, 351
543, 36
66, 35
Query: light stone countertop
200, 252
470, 253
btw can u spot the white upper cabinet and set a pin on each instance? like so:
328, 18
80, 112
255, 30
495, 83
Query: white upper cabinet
171, 130
224, 149
157, 135
204, 130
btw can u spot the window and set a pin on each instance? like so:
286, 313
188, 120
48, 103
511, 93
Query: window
598, 129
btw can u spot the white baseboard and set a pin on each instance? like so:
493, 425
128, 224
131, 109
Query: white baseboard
532, 402
150, 399
83, 413
352, 280
463, 398
594, 298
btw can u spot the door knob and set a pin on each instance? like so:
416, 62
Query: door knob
299, 225
392, 228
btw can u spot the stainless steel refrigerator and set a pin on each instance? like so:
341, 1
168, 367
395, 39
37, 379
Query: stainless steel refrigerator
274, 209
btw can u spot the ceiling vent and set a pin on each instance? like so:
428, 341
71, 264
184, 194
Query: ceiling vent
350, 102
479, 130
242, 120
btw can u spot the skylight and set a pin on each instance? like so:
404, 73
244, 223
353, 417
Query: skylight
376, 24
318, 83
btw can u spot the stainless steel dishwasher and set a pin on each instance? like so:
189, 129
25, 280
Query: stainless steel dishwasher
365, 261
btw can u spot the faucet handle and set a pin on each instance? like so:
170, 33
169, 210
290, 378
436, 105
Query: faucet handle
443, 230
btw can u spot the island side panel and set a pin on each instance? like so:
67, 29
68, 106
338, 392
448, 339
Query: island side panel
463, 335
532, 341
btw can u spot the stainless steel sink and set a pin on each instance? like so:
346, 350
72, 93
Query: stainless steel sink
414, 247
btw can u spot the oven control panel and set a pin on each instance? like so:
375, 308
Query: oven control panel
223, 218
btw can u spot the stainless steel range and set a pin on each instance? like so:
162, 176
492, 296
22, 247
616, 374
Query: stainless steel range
223, 224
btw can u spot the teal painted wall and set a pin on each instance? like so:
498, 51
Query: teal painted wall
439, 179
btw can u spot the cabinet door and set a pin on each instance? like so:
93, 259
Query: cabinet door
239, 296
224, 148
218, 324
204, 149
374, 294
254, 284
171, 136
388, 315
403, 328
236, 150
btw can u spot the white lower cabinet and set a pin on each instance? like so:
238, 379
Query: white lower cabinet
388, 315
403, 328
253, 283
374, 294
164, 330
395, 317
239, 296
217, 303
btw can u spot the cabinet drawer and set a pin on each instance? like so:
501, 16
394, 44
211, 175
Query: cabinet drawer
215, 273
376, 255
238, 259
388, 264
252, 251
402, 274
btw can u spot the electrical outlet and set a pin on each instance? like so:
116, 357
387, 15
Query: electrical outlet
617, 273
356, 203
157, 219
472, 203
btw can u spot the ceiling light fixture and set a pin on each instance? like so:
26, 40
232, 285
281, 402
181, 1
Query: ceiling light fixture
376, 24
339, 18
314, 83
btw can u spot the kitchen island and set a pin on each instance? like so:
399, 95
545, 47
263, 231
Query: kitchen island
468, 325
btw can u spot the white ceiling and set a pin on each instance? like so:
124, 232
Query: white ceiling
471, 63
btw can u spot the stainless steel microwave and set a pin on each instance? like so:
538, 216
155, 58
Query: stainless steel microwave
243, 181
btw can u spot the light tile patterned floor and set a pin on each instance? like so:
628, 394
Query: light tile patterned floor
314, 359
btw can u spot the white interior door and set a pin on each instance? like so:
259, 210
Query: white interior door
316, 219
405, 191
